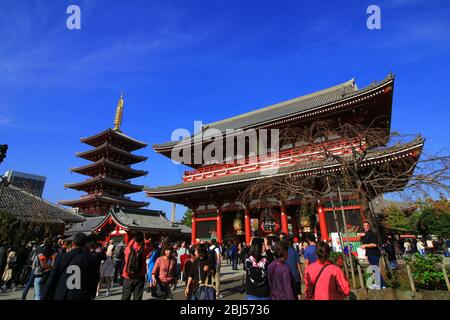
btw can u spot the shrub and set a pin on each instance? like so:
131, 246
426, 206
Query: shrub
426, 271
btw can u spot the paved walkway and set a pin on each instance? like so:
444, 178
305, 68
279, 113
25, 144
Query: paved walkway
231, 281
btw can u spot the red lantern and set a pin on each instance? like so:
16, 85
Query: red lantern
270, 221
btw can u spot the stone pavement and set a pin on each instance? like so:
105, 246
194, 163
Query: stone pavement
231, 281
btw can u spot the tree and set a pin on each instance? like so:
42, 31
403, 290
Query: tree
397, 220
187, 218
433, 218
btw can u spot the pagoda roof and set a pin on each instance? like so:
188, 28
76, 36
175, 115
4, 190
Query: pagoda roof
103, 198
131, 173
303, 106
101, 137
90, 154
131, 188
138, 219
302, 169
29, 208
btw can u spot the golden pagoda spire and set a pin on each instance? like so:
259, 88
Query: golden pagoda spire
119, 112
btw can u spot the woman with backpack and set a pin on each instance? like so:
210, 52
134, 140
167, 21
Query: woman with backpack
202, 269
164, 272
42, 265
324, 280
135, 268
256, 283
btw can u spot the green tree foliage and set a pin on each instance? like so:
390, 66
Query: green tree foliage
427, 272
397, 220
187, 218
432, 218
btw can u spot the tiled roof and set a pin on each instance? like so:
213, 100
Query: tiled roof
184, 228
103, 199
289, 108
91, 140
131, 157
27, 207
105, 180
85, 226
141, 219
132, 173
380, 204
298, 168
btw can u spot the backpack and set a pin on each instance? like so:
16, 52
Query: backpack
134, 265
213, 255
257, 273
119, 252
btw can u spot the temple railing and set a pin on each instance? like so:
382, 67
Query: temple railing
283, 158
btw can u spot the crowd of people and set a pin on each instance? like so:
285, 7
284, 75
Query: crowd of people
271, 267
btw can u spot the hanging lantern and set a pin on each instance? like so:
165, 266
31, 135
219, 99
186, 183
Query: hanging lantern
237, 224
270, 221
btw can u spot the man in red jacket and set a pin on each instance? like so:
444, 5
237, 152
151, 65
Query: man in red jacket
135, 268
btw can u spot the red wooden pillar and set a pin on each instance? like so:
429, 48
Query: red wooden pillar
322, 223
248, 230
284, 221
219, 224
194, 227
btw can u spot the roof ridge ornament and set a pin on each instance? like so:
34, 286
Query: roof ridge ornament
119, 113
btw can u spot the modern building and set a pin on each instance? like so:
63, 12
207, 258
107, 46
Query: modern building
212, 190
31, 183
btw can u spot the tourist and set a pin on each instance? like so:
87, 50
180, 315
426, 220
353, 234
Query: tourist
9, 273
216, 256
323, 280
447, 247
134, 269
309, 253
408, 248
279, 275
181, 251
234, 256
391, 255
164, 271
420, 247
293, 261
119, 255
187, 269
267, 250
431, 248
256, 283
30, 281
57, 288
202, 267
154, 254
370, 244
398, 249
98, 256
107, 270
3, 258
42, 265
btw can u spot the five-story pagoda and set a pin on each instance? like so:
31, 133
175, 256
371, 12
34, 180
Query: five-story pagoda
109, 172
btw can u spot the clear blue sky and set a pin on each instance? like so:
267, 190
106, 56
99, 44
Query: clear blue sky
180, 61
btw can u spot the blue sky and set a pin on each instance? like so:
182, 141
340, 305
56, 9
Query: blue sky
180, 61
